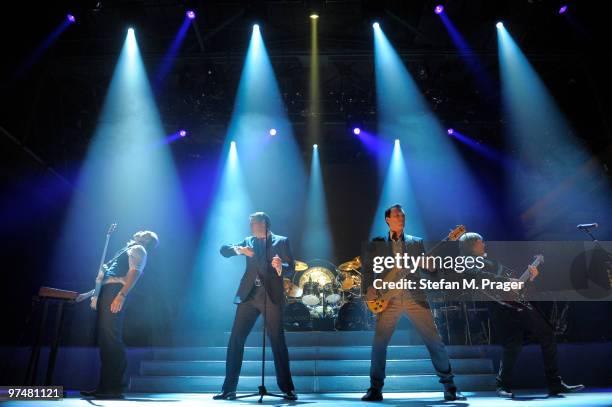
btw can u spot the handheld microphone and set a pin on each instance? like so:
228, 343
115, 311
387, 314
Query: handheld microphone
587, 226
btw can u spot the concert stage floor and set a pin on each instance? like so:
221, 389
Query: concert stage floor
593, 397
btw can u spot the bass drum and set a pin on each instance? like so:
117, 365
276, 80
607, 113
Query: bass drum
296, 317
353, 316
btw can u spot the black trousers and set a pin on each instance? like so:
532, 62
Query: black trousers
113, 360
512, 326
422, 320
246, 315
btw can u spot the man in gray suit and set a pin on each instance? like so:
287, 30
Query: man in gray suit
411, 302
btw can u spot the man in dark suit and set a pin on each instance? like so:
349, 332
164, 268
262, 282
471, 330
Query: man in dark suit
268, 256
412, 302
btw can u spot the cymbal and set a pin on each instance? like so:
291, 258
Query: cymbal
351, 265
300, 266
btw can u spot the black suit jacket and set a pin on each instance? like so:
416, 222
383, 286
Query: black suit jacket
381, 246
260, 265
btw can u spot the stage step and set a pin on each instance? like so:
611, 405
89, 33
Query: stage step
316, 352
328, 361
307, 384
303, 338
311, 367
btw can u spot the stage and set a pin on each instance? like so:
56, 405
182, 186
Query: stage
590, 397
318, 195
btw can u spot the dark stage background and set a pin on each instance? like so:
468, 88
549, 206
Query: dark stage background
50, 113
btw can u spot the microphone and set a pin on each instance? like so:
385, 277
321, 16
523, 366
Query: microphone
587, 226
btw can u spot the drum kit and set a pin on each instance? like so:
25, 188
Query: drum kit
323, 296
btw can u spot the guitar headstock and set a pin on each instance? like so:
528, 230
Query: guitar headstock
456, 233
111, 229
537, 260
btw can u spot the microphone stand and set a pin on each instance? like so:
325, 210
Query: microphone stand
261, 390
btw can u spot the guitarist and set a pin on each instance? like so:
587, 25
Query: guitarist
115, 280
411, 302
512, 323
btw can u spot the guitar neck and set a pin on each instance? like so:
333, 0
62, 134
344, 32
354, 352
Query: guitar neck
526, 274
98, 280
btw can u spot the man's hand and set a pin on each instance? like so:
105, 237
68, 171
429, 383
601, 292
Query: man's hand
534, 272
277, 263
247, 251
371, 294
94, 303
117, 304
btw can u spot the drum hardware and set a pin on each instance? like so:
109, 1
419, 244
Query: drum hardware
296, 317
311, 293
291, 290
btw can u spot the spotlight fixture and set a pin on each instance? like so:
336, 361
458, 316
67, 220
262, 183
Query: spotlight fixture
315, 146
233, 144
131, 31
255, 27
397, 141
376, 25
71, 18
190, 14
273, 132
182, 133
439, 9
314, 16
499, 24
356, 131
450, 131
563, 9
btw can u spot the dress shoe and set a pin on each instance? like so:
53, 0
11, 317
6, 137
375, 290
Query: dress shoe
89, 393
109, 396
225, 395
373, 395
290, 395
504, 392
452, 394
564, 388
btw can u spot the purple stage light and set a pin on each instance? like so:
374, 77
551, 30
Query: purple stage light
190, 14
450, 132
71, 18
182, 133
439, 9
356, 131
563, 9
273, 132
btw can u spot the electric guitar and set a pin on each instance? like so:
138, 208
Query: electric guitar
96, 290
515, 298
381, 303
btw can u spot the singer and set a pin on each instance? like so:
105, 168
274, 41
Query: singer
268, 256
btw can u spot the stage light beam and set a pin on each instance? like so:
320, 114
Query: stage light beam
318, 242
127, 177
431, 158
553, 173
